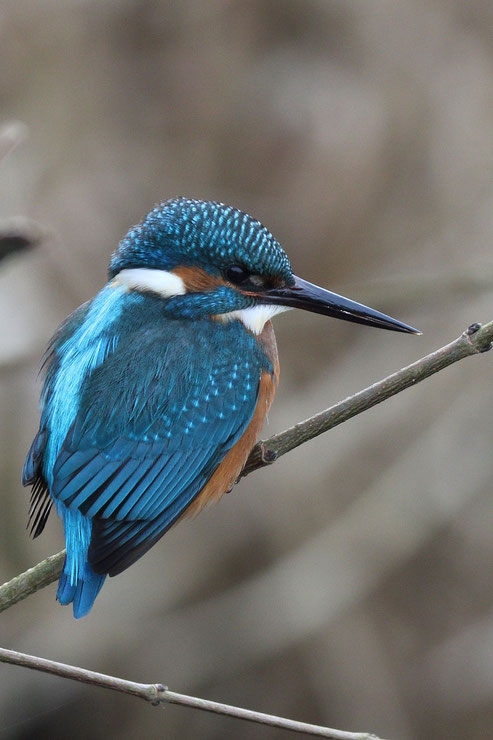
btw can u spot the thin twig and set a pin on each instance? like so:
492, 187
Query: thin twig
476, 339
31, 580
19, 235
157, 693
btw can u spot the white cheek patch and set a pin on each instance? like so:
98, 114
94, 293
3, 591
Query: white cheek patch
253, 317
165, 283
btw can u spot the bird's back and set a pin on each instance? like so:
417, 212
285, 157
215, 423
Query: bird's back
162, 420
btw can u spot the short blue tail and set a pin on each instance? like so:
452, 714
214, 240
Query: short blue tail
82, 593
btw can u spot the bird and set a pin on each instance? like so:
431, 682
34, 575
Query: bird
155, 390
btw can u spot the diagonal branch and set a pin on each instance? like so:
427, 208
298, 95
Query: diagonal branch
19, 235
31, 580
157, 694
476, 339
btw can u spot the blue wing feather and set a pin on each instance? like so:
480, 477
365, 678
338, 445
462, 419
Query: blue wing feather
153, 418
140, 449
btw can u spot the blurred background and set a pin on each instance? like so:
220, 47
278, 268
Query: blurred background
350, 584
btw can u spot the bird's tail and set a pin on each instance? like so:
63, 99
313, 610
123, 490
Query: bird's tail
82, 593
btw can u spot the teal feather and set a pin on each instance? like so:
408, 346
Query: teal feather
147, 420
144, 396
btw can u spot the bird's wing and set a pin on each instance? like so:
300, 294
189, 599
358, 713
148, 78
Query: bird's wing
33, 470
150, 430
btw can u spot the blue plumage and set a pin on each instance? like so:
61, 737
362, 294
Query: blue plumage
139, 409
156, 389
81, 592
201, 233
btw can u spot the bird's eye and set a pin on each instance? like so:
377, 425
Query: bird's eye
251, 283
236, 274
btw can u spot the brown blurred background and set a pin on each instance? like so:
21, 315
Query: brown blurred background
351, 583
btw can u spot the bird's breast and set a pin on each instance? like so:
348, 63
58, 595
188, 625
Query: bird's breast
232, 464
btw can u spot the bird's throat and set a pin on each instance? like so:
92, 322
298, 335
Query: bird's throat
254, 318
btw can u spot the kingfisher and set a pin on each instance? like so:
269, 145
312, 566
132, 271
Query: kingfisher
155, 390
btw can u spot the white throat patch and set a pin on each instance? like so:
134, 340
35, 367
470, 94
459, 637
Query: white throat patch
165, 283
253, 317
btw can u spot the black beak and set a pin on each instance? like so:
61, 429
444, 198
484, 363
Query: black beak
303, 294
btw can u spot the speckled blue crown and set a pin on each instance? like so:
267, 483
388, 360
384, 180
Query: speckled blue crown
203, 233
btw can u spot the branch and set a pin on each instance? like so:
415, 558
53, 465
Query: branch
21, 233
157, 694
18, 235
476, 339
31, 580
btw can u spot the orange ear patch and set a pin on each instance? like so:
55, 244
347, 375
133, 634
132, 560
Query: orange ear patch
197, 280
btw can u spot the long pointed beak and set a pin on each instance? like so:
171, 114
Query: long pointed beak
303, 294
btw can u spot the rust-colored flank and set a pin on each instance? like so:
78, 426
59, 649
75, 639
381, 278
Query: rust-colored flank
231, 466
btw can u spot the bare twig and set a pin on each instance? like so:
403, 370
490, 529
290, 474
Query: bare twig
31, 580
476, 339
18, 235
157, 693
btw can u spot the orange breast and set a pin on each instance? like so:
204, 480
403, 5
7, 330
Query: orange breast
231, 466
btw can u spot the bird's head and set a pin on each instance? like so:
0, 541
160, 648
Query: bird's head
209, 259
